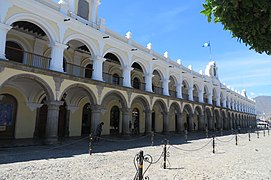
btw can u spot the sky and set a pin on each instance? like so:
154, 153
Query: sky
178, 27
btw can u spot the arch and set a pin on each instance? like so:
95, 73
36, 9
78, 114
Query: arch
142, 64
86, 119
41, 82
14, 52
143, 100
91, 95
175, 117
119, 54
209, 118
198, 121
196, 92
92, 47
115, 94
160, 73
159, 113
17, 39
42, 23
187, 116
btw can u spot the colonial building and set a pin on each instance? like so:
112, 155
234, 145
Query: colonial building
62, 72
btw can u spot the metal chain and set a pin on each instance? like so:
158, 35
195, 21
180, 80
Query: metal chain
225, 141
124, 140
192, 149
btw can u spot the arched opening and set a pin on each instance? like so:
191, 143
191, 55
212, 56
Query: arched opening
209, 122
114, 120
187, 118
136, 83
185, 88
157, 83
112, 71
137, 76
198, 119
217, 121
88, 71
172, 87
40, 128
83, 9
63, 120
8, 112
135, 121
14, 52
86, 120
195, 93
174, 118
81, 64
205, 94
160, 117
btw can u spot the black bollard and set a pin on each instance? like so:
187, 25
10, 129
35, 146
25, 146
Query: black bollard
236, 139
268, 131
249, 136
90, 144
140, 165
213, 144
221, 131
165, 154
257, 134
206, 133
264, 132
152, 138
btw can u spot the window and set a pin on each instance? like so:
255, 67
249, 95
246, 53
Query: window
136, 83
83, 9
116, 79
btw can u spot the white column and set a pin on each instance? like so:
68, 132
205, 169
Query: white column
3, 37
127, 76
125, 121
200, 94
179, 90
148, 81
97, 73
56, 63
190, 94
165, 87
218, 100
224, 103
210, 98
94, 12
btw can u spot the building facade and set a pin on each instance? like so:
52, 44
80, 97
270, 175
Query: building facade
62, 72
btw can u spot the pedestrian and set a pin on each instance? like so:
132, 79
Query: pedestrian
194, 126
99, 131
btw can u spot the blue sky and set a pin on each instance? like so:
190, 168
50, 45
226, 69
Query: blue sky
178, 27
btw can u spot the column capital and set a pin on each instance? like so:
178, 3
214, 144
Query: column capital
59, 45
5, 27
54, 103
100, 58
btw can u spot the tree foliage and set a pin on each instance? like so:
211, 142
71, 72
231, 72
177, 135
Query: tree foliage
248, 20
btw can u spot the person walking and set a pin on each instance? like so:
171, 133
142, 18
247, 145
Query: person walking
99, 131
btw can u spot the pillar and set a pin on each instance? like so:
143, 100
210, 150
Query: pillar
56, 63
125, 121
95, 117
190, 94
210, 98
52, 121
165, 87
179, 90
97, 73
179, 123
3, 37
148, 79
127, 76
200, 94
165, 122
201, 123
148, 121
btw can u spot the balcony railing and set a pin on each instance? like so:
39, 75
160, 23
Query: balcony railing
138, 85
111, 79
185, 96
158, 90
77, 70
172, 93
32, 59
196, 98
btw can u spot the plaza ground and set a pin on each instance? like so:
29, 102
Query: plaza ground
113, 158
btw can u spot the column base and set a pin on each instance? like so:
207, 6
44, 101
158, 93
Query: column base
51, 140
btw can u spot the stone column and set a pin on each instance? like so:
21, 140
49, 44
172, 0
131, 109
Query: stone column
200, 94
127, 76
165, 122
97, 73
201, 123
56, 63
52, 121
3, 36
125, 121
96, 111
190, 94
165, 87
179, 90
210, 98
148, 121
179, 123
148, 79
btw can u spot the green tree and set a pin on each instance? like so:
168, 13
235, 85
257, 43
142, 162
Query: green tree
248, 20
